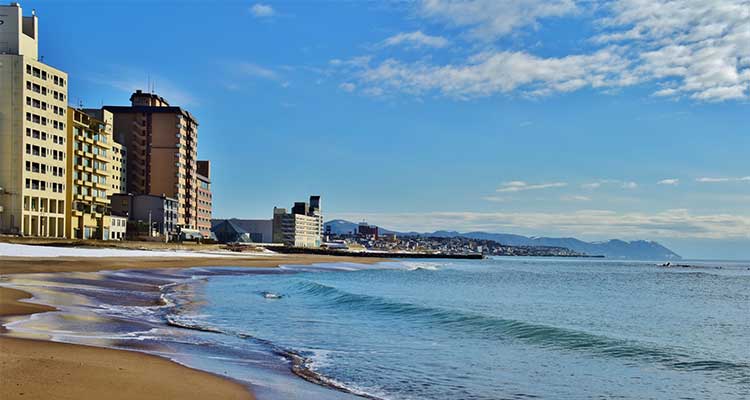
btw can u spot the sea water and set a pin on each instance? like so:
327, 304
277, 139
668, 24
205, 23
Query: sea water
502, 328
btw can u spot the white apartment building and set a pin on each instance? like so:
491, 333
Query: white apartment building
303, 227
33, 108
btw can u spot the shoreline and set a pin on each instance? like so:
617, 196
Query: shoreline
33, 368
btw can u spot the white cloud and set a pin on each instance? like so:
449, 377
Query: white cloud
721, 180
687, 49
490, 19
489, 73
629, 185
520, 186
701, 47
600, 224
348, 87
262, 10
415, 39
669, 182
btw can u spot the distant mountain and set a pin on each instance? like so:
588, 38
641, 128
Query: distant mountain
615, 248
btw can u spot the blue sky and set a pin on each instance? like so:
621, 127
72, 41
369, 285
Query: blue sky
593, 119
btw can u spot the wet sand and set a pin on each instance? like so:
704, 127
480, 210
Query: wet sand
24, 265
34, 369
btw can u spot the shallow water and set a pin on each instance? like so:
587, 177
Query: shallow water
505, 328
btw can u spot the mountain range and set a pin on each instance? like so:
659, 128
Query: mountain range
614, 248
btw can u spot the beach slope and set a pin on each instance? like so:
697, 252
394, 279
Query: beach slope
35, 369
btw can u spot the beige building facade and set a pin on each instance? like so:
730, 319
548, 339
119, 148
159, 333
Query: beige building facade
119, 170
89, 165
33, 132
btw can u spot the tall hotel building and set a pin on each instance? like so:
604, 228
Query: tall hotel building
162, 144
33, 118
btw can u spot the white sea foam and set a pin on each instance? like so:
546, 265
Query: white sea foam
420, 265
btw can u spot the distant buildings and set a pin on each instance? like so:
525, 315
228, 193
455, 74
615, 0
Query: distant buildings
366, 230
303, 227
33, 119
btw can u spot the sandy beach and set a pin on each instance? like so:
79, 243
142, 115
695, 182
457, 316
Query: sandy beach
42, 370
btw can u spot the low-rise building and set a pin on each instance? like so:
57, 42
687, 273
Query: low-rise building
149, 215
303, 227
118, 227
257, 230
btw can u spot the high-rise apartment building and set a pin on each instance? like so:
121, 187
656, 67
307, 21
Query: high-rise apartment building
303, 227
162, 142
89, 178
33, 118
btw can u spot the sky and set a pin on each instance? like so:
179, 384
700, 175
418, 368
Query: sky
592, 119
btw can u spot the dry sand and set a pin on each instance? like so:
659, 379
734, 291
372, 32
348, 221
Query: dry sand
32, 369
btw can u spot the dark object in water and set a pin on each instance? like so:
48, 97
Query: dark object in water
271, 295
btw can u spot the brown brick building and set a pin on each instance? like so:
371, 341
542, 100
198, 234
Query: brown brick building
162, 143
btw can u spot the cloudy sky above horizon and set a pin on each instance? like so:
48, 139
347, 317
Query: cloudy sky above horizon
596, 119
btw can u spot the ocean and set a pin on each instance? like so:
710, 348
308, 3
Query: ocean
500, 328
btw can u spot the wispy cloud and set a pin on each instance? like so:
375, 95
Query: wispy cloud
599, 183
415, 39
669, 182
348, 87
602, 224
129, 79
260, 10
495, 199
575, 198
257, 71
520, 186
629, 185
722, 180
